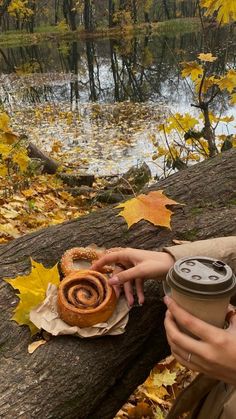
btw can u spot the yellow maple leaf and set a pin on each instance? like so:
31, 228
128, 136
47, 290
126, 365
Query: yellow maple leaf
233, 99
142, 409
5, 150
165, 378
3, 170
225, 10
21, 159
32, 291
179, 122
207, 57
9, 230
9, 137
150, 207
4, 122
228, 82
208, 82
192, 69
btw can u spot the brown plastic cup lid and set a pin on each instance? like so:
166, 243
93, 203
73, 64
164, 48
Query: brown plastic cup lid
202, 276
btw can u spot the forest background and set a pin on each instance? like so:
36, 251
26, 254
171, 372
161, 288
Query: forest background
95, 86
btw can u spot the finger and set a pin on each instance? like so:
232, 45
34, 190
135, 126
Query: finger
192, 324
231, 317
117, 290
128, 290
190, 365
124, 276
178, 338
139, 290
109, 258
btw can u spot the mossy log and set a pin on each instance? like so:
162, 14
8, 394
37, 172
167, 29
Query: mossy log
78, 378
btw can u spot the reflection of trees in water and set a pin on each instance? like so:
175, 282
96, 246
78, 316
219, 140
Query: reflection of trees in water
137, 69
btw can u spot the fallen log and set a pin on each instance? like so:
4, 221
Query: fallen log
90, 379
49, 165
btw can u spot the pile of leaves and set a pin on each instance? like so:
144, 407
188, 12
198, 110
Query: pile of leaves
154, 398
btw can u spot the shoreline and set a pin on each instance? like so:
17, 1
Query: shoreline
168, 27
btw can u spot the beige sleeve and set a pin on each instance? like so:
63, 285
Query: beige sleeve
222, 248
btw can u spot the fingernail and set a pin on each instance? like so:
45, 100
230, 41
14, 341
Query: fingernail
166, 300
114, 280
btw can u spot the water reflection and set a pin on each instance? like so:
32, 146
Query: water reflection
66, 76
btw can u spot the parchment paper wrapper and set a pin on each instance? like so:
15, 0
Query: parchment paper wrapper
45, 316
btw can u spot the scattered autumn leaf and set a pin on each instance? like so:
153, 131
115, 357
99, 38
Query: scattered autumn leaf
150, 207
32, 291
35, 345
142, 410
165, 378
4, 121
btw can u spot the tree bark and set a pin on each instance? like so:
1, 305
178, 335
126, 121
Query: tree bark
90, 379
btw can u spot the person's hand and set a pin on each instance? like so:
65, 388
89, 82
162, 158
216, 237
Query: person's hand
214, 354
134, 265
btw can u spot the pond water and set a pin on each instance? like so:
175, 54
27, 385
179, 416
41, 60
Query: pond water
96, 103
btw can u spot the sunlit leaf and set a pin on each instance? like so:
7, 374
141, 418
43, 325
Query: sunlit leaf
207, 57
21, 159
165, 378
3, 170
233, 98
4, 122
179, 122
10, 230
224, 10
228, 81
9, 138
32, 291
5, 150
151, 207
192, 69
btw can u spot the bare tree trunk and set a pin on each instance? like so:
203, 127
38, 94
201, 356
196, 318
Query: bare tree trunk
3, 8
111, 9
167, 12
88, 15
69, 12
56, 7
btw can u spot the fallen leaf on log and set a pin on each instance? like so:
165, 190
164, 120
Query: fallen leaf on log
35, 345
32, 291
150, 207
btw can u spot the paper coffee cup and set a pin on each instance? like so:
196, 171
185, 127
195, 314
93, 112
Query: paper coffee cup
202, 286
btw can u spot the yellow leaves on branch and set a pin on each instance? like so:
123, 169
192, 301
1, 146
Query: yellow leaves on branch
32, 291
225, 10
11, 151
192, 69
228, 82
208, 57
150, 207
179, 122
195, 71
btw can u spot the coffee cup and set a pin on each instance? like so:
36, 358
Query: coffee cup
202, 286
